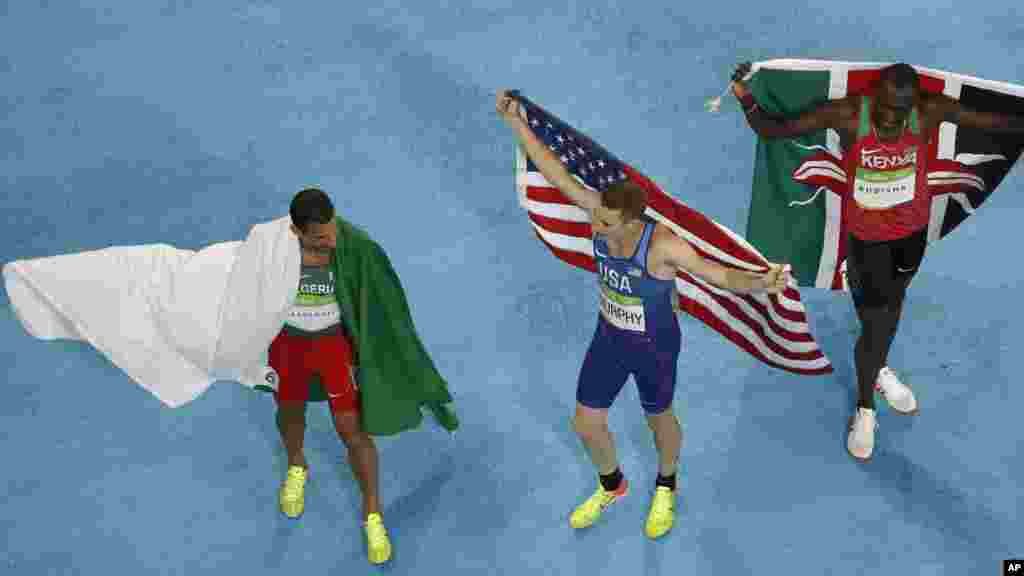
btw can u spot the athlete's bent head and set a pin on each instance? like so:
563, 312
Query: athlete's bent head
622, 203
895, 96
313, 221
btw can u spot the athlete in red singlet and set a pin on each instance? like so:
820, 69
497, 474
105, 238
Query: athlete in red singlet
884, 137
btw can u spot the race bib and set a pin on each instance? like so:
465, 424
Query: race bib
881, 190
314, 318
623, 312
316, 305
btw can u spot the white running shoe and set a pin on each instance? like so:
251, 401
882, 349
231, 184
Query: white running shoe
896, 393
861, 440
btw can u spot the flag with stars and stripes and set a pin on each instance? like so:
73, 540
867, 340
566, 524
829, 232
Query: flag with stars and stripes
773, 328
796, 208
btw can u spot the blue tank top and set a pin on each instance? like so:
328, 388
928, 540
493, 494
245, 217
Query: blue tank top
633, 301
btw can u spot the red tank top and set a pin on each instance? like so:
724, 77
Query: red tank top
888, 195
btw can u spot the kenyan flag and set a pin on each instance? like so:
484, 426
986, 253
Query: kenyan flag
796, 202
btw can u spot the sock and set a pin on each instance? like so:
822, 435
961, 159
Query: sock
667, 481
611, 482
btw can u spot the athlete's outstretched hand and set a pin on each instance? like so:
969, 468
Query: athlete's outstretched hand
738, 86
777, 278
507, 106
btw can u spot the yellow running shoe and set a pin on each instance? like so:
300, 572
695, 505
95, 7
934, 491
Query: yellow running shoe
662, 514
378, 547
293, 491
587, 513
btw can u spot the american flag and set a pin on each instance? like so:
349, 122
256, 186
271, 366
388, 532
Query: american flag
772, 328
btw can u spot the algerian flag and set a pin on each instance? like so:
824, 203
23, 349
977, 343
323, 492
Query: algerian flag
796, 202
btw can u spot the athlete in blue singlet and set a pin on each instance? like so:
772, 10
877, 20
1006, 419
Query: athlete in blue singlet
637, 333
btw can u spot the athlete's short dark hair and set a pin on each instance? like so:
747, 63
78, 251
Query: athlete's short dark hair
900, 76
309, 206
627, 196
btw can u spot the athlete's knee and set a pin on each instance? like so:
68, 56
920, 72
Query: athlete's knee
879, 291
357, 441
881, 321
662, 419
874, 317
590, 423
350, 429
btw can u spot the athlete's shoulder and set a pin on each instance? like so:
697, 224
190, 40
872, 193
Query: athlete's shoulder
935, 109
669, 248
659, 231
663, 238
929, 103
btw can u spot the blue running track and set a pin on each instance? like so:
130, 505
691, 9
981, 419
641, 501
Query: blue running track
186, 122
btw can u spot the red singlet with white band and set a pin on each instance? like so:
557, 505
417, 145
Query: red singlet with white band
888, 195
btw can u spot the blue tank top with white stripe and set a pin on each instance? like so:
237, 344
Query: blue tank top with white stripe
633, 301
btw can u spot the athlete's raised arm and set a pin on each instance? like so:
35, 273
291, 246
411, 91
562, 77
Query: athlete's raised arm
940, 107
546, 162
836, 114
678, 252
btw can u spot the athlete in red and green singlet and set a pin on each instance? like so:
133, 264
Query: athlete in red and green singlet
884, 137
